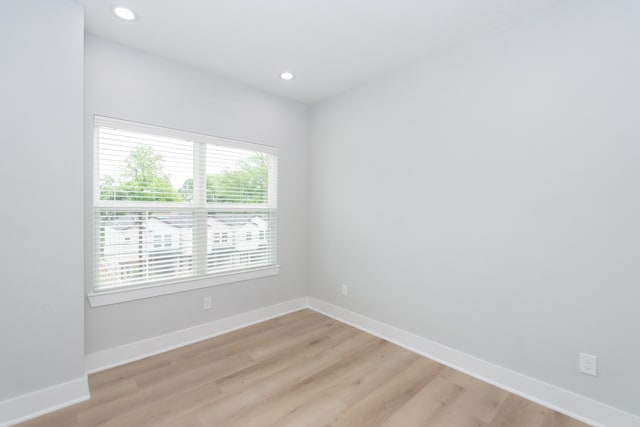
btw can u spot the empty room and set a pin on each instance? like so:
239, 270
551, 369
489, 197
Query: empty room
304, 213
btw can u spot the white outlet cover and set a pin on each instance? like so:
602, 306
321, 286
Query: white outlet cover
345, 290
588, 364
206, 303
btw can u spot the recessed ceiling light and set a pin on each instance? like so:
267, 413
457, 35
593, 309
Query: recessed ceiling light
124, 13
286, 75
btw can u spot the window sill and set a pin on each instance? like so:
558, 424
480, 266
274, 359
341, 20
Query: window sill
116, 296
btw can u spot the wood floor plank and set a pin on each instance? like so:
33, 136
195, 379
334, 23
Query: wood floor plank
525, 413
378, 405
64, 417
479, 400
347, 390
102, 412
302, 369
279, 405
277, 348
435, 396
244, 392
270, 366
165, 409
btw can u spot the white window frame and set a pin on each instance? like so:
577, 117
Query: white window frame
200, 279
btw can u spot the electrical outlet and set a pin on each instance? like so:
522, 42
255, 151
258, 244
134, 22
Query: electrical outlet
588, 364
345, 290
206, 303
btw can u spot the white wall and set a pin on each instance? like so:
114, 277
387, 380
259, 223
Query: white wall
487, 198
124, 83
41, 289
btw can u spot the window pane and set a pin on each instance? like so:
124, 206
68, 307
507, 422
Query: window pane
143, 246
141, 167
237, 176
248, 240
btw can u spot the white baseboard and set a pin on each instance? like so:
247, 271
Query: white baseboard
572, 404
34, 404
40, 402
111, 357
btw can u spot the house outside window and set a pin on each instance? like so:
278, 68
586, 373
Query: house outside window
197, 198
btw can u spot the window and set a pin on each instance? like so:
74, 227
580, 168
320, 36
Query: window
161, 188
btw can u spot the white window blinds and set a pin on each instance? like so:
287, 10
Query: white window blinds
171, 205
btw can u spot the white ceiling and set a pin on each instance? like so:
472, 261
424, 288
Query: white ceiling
330, 45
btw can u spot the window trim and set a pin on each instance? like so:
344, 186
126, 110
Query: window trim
116, 296
181, 284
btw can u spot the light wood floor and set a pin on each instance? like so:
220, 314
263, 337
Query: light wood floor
302, 369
